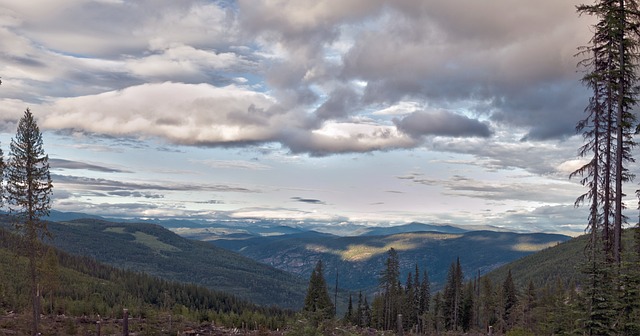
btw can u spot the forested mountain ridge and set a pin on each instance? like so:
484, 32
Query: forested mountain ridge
157, 251
359, 259
74, 286
565, 263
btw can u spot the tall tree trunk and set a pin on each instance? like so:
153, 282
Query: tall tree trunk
606, 225
617, 230
35, 296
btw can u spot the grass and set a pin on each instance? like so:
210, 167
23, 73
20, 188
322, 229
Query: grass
153, 243
146, 239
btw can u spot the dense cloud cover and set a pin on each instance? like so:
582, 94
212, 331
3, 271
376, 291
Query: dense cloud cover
485, 88
308, 75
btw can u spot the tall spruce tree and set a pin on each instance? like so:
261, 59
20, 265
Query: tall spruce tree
510, 299
348, 315
317, 299
425, 293
391, 291
612, 75
28, 195
453, 297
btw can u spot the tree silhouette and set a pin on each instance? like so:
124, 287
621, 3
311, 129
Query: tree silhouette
28, 195
317, 299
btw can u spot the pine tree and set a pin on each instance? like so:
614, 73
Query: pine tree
317, 299
467, 313
425, 293
439, 317
453, 297
530, 301
366, 314
28, 188
488, 316
390, 287
510, 299
408, 314
348, 316
612, 65
357, 317
415, 304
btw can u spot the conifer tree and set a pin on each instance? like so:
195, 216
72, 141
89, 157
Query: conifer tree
612, 75
453, 296
530, 301
317, 299
439, 318
425, 293
467, 313
510, 299
409, 311
390, 287
366, 313
357, 317
417, 295
28, 195
348, 315
488, 306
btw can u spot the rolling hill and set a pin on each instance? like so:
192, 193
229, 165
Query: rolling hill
78, 290
562, 262
157, 251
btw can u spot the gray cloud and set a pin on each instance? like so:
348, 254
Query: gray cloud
442, 123
341, 103
112, 186
211, 202
125, 193
302, 74
69, 164
548, 192
308, 200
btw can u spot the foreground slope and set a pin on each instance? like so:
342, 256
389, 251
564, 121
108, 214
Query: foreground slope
359, 260
157, 251
563, 262
74, 286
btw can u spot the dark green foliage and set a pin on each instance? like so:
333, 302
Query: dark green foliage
425, 294
28, 195
317, 301
89, 288
467, 311
510, 296
439, 318
487, 304
350, 315
453, 297
392, 300
169, 256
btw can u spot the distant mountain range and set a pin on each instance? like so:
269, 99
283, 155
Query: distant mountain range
260, 247
201, 229
360, 259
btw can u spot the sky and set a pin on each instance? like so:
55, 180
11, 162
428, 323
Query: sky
378, 112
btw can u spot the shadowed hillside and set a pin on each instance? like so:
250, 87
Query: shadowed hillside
157, 251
